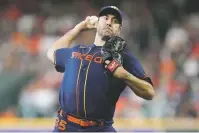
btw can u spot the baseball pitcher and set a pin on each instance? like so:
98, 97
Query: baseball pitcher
96, 74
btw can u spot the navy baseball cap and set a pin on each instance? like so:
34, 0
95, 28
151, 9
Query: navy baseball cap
111, 10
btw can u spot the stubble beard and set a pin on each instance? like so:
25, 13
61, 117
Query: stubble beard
105, 36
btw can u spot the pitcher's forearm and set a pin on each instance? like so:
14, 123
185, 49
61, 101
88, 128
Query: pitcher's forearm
141, 87
66, 40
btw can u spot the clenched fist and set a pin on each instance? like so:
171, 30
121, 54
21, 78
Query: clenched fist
89, 23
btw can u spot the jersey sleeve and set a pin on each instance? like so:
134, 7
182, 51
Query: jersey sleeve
132, 65
61, 56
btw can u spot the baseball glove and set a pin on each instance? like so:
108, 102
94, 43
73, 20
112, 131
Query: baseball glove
112, 51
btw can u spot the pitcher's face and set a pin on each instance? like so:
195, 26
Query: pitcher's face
108, 26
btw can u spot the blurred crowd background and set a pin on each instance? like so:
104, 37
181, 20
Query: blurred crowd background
163, 34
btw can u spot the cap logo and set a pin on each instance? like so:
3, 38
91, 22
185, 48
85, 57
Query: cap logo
114, 8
